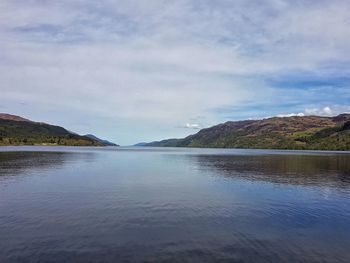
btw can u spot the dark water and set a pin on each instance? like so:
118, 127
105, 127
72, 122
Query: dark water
173, 205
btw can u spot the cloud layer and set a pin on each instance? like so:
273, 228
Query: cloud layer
141, 70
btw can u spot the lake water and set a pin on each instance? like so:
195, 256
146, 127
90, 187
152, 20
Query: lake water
65, 204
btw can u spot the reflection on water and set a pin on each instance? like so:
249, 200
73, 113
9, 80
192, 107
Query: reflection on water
173, 205
324, 170
15, 163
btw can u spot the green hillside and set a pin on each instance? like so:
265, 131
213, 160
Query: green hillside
25, 132
300, 133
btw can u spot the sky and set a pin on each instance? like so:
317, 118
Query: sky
133, 71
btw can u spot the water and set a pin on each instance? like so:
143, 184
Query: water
62, 204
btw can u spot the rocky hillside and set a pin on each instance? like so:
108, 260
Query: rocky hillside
309, 132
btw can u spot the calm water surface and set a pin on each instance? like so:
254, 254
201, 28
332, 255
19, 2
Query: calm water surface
65, 204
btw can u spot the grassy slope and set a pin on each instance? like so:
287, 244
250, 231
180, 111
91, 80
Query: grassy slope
312, 132
34, 133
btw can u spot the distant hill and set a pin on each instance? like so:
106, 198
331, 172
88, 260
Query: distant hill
308, 132
141, 144
104, 142
15, 130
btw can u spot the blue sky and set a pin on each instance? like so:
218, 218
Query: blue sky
132, 71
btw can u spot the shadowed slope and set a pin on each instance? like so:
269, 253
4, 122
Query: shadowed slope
15, 130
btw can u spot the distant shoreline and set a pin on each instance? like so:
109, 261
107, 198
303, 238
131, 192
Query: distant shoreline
200, 150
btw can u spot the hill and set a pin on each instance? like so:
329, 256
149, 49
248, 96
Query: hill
141, 144
308, 132
9, 117
104, 142
15, 130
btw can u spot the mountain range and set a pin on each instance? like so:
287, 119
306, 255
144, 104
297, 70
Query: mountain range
16, 130
298, 133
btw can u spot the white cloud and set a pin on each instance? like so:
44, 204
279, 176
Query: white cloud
325, 111
157, 63
300, 114
328, 110
192, 126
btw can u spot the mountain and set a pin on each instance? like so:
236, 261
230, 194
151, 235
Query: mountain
104, 142
15, 130
140, 144
308, 132
9, 117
